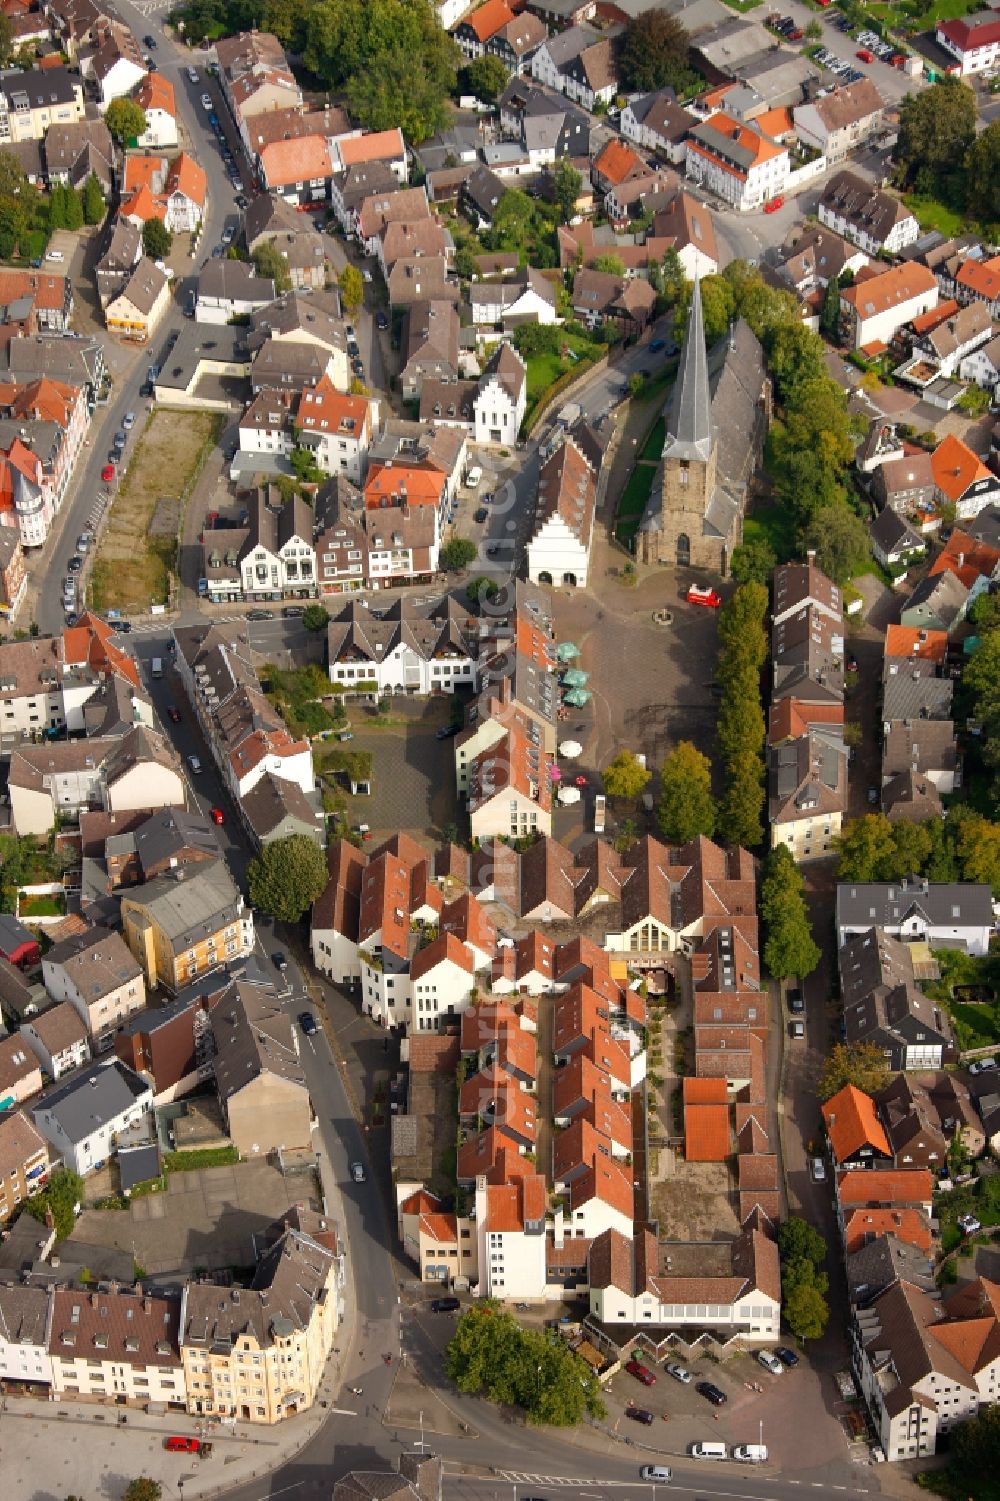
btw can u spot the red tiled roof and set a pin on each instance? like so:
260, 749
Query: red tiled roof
908, 641
956, 467
907, 1225
966, 558
852, 1123
884, 1188
706, 1131
488, 19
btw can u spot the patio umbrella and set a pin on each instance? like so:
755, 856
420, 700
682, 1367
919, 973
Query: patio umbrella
570, 749
567, 795
555, 774
574, 677
566, 651
577, 697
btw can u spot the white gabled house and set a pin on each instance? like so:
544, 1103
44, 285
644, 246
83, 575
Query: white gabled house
501, 398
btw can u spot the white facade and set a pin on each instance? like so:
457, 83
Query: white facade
880, 327
441, 991
119, 80
161, 130
527, 307
981, 57
405, 670
64, 1060
983, 366
288, 768
335, 955
649, 139
833, 142
24, 1362
509, 814
81, 1375
557, 552
745, 190
756, 1315
86, 1151
899, 236
497, 418
147, 785
102, 1015
292, 567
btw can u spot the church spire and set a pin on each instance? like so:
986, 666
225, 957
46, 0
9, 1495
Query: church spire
689, 432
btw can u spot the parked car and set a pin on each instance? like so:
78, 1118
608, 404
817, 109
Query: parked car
711, 1393
796, 1004
292, 612
173, 714
639, 1415
279, 961
195, 764
680, 1373
108, 473
981, 1065
178, 1445
128, 421
786, 1356
699, 594
447, 730
260, 614
75, 564
308, 1023
193, 74
481, 514
773, 204
969, 1223
797, 1031
865, 56
817, 1168
206, 101
445, 1305
770, 1362
218, 817
358, 1173
381, 320
640, 1372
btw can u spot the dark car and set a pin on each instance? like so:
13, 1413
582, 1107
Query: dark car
786, 1356
150, 42
447, 730
481, 514
279, 960
711, 1393
308, 1023
75, 564
358, 368
173, 714
493, 550
796, 1004
381, 321
639, 1415
445, 1305
123, 627
260, 614
291, 612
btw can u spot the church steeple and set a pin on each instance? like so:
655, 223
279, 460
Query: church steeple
689, 432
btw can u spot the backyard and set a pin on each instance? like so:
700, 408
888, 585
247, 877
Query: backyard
968, 990
137, 554
545, 368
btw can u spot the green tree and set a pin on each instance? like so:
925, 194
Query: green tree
625, 777
806, 1312
465, 262
866, 849
286, 19
858, 1063
717, 304
7, 45
753, 561
481, 588
936, 128
672, 277
537, 338
492, 1356
829, 318
304, 466
457, 554
795, 357
687, 807
270, 262
742, 808
566, 185
74, 209
979, 851
125, 120
800, 1241
286, 877
352, 288
912, 846
789, 948
93, 201
741, 624
486, 77
57, 207
143, 1489
974, 1454
653, 53
840, 539
982, 175
611, 263
156, 239
12, 179
62, 1194
636, 382
315, 617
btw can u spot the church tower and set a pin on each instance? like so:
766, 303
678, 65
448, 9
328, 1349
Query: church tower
689, 448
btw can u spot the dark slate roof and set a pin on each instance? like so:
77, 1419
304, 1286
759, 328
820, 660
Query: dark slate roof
689, 416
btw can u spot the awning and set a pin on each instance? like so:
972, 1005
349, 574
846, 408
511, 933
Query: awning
566, 651
574, 677
578, 697
570, 749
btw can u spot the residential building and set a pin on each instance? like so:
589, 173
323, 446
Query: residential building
83, 1118
983, 365
135, 311
501, 398
258, 1075
658, 123
884, 1006
407, 648
856, 1136
973, 39
938, 603
20, 1075
807, 792
186, 923
117, 66
605, 296
117, 1347
299, 169
474, 32
516, 42
58, 1039
716, 423
895, 543
957, 336
78, 148
870, 217
13, 577
278, 559
906, 485
813, 256
431, 346
155, 96
686, 225
526, 297
94, 972
276, 807
840, 121
877, 306
300, 246
230, 289
979, 281
509, 790
962, 479
33, 100
579, 63
123, 253
24, 1170
735, 161
259, 1353
543, 122
337, 429
942, 914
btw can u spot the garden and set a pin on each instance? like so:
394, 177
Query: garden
968, 988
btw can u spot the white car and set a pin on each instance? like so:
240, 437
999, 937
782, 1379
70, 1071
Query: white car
193, 74
770, 1362
817, 1168
969, 1223
195, 764
680, 1373
206, 101
227, 235
358, 1173
981, 1065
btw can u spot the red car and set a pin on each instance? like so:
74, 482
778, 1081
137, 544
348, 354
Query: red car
773, 204
181, 1445
108, 472
865, 55
638, 1370
173, 714
698, 595
217, 816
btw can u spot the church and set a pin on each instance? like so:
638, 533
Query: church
716, 422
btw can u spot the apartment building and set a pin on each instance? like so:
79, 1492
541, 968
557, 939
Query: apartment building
186, 923
24, 1165
58, 1039
83, 1118
734, 160
96, 975
116, 1347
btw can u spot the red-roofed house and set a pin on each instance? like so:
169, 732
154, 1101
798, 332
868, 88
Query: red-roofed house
155, 96
962, 478
979, 281
967, 558
298, 169
707, 1136
906, 641
973, 40
857, 1136
480, 25
736, 161
186, 189
442, 977
880, 304
337, 428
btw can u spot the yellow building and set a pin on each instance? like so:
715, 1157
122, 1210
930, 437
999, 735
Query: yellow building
258, 1354
186, 922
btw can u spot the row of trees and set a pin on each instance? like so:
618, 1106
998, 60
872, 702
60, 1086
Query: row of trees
491, 1355
939, 153
24, 209
962, 846
789, 947
740, 727
804, 1283
981, 682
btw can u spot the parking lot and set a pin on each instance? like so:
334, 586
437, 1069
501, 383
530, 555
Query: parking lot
413, 785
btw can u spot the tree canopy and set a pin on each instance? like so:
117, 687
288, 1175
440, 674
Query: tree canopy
396, 65
566, 184
486, 77
352, 288
457, 553
803, 1282
740, 727
982, 175
625, 777
753, 561
789, 947
287, 876
268, 261
653, 54
936, 127
858, 1063
156, 239
840, 540
687, 807
535, 1370
63, 1192
125, 120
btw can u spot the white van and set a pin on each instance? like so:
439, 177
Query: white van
157, 667
474, 477
751, 1454
708, 1451
54, 255
661, 1473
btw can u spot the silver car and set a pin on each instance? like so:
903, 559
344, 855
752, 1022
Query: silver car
680, 1373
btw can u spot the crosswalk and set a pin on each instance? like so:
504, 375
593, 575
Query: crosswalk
150, 7
517, 1477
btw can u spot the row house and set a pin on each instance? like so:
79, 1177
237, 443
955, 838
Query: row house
294, 237
99, 979
559, 547
61, 779
579, 63
13, 575
509, 789
516, 42
379, 210
116, 1347
266, 128
884, 1006
186, 923
28, 405
247, 736
878, 304
841, 121
155, 97
277, 559
942, 914
656, 122
298, 170
978, 281
408, 648
83, 1118
255, 77
117, 65
24, 1169
474, 32
546, 124
871, 218
34, 100
47, 682
44, 300
738, 163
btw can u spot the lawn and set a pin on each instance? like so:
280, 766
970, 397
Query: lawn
906, 13
652, 449
199, 1157
633, 501
932, 214
137, 555
545, 369
773, 525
